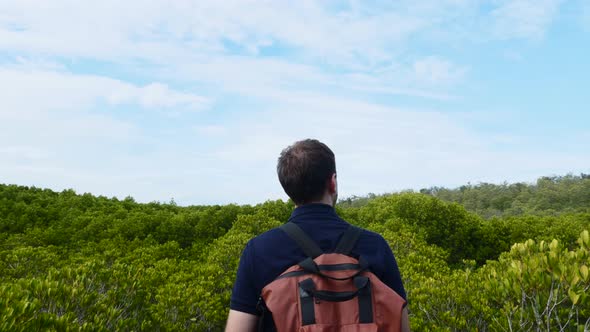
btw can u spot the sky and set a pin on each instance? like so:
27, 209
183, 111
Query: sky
193, 101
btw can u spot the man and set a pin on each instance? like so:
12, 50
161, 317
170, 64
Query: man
307, 173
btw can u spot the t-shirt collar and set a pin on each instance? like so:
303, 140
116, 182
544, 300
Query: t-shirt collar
314, 208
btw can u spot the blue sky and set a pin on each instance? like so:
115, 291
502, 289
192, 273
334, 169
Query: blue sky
194, 100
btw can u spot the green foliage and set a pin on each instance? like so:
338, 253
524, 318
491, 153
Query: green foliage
534, 287
448, 226
541, 286
72, 262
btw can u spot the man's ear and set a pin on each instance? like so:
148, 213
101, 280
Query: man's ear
333, 184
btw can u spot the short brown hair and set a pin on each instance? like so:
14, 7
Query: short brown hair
304, 169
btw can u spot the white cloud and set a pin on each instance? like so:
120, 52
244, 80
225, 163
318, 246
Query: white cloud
199, 40
523, 18
156, 95
24, 152
157, 30
274, 80
161, 31
60, 130
42, 90
433, 70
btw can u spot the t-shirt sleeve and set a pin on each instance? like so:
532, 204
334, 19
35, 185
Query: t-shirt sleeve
244, 297
391, 275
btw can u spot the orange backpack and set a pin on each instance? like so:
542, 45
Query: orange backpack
331, 292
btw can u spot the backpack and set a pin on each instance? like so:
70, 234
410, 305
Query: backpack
331, 292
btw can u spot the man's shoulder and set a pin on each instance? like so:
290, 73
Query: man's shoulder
370, 240
270, 235
371, 235
269, 239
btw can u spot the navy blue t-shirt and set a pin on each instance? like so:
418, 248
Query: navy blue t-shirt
271, 253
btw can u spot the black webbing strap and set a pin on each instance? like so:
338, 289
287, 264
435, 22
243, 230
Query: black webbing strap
365, 301
306, 244
307, 302
261, 309
348, 240
308, 293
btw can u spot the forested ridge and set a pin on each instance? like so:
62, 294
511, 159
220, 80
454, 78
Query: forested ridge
549, 195
484, 257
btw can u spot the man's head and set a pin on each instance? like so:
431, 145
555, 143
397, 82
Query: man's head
307, 172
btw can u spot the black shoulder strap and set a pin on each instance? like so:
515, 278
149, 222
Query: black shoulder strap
348, 240
310, 248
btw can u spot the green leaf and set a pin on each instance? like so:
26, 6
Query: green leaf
573, 296
584, 272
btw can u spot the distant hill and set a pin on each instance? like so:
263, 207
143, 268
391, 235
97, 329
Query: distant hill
549, 195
